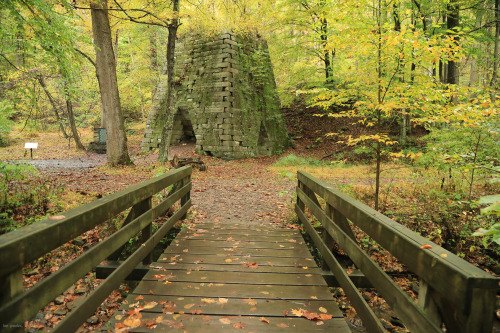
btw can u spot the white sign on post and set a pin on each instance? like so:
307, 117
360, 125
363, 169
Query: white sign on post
31, 146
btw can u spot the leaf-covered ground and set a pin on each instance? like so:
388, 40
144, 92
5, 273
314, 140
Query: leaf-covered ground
250, 190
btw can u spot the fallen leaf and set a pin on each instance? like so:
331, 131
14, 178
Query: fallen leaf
253, 309
118, 326
150, 324
264, 320
188, 306
223, 300
298, 312
228, 260
225, 321
250, 265
159, 319
196, 312
240, 325
322, 309
150, 305
185, 250
282, 325
314, 297
173, 324
444, 255
139, 297
57, 217
249, 301
133, 321
169, 307
426, 246
208, 300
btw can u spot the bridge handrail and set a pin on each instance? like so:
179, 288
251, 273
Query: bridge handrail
22, 246
452, 290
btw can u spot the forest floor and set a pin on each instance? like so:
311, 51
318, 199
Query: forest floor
251, 190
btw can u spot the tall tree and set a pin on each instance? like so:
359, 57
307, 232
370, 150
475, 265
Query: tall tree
453, 25
116, 152
172, 35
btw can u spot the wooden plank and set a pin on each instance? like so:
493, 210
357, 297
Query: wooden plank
21, 246
229, 306
203, 324
236, 227
231, 251
233, 290
236, 260
261, 268
240, 244
254, 234
248, 276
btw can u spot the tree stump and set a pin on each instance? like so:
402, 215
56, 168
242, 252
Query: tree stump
194, 162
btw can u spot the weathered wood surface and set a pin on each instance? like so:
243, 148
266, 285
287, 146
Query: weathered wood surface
219, 278
21, 246
463, 293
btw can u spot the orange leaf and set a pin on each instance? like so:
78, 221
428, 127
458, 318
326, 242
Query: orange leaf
57, 217
264, 320
282, 325
426, 246
139, 297
225, 321
240, 325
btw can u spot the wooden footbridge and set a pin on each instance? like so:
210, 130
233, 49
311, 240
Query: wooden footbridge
237, 276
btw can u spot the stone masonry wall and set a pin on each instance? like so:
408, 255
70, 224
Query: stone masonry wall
226, 99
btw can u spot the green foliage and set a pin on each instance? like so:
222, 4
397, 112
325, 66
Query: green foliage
23, 193
294, 160
6, 112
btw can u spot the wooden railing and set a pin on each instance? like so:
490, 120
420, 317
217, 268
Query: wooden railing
452, 291
22, 246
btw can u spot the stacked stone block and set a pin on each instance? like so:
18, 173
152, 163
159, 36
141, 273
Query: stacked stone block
225, 97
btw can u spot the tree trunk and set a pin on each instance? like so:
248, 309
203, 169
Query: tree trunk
326, 53
54, 105
153, 59
494, 76
71, 118
139, 86
452, 21
116, 146
167, 129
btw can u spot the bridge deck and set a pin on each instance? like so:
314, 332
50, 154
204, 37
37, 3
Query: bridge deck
226, 277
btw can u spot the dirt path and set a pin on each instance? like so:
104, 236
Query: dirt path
242, 190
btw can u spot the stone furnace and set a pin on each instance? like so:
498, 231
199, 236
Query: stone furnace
225, 99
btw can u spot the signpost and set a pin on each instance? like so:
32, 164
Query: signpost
31, 146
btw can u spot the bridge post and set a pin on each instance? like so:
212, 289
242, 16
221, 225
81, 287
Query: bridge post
143, 207
186, 197
11, 285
